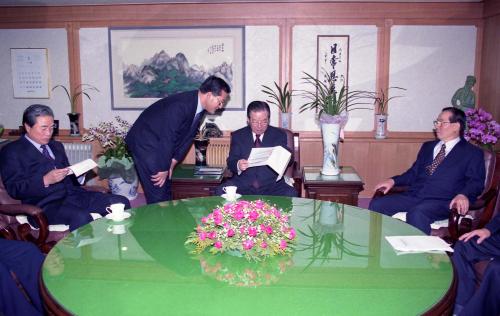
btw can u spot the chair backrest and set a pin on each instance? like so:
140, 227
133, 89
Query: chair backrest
490, 165
292, 143
6, 199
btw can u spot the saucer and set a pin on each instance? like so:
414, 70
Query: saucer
236, 196
125, 216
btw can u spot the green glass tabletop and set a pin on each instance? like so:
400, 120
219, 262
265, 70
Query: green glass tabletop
342, 265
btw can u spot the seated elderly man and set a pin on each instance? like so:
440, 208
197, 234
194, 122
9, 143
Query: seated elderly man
448, 172
255, 180
34, 170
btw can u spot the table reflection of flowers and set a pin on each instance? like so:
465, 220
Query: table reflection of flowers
254, 229
239, 271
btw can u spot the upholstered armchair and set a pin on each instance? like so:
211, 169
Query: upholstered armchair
13, 224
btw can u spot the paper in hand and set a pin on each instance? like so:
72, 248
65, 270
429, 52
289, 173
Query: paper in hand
275, 157
81, 167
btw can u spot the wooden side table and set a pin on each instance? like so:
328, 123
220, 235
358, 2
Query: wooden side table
185, 184
343, 188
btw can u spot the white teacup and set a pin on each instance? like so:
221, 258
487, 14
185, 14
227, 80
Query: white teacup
230, 191
117, 210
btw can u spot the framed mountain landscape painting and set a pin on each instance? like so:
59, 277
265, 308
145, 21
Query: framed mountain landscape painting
148, 64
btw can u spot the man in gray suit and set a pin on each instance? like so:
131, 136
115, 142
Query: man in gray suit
163, 133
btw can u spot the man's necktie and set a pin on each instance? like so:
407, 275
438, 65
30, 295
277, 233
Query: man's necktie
197, 119
45, 152
257, 142
439, 159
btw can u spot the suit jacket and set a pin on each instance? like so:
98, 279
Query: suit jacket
23, 166
242, 143
461, 172
164, 131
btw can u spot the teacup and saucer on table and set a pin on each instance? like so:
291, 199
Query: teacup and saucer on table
117, 212
230, 193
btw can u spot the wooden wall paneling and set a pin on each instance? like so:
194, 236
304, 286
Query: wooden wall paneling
489, 91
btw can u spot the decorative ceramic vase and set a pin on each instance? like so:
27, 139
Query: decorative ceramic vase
200, 149
74, 126
381, 121
286, 120
331, 134
117, 185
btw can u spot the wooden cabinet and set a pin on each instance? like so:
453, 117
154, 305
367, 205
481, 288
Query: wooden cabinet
343, 188
187, 185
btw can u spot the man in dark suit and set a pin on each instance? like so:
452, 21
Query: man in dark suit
448, 171
256, 180
163, 133
485, 245
25, 260
34, 170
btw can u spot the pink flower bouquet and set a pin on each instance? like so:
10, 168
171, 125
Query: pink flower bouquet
254, 229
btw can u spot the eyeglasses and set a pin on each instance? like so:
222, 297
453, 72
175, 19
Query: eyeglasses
263, 122
439, 123
220, 101
48, 128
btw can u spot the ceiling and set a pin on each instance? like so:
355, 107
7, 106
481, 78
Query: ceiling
103, 2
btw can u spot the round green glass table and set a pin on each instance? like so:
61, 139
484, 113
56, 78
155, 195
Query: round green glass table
342, 265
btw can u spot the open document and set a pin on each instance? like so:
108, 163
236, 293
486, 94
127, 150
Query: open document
81, 167
418, 244
275, 157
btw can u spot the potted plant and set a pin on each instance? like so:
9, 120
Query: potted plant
115, 162
380, 101
81, 89
332, 108
201, 142
282, 98
482, 129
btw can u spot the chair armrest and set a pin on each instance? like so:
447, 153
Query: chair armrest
96, 188
393, 190
24, 230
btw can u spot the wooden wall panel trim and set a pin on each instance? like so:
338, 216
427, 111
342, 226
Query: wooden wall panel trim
107, 14
491, 8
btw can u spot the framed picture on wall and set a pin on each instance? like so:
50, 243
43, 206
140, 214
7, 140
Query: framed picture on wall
148, 64
30, 72
333, 59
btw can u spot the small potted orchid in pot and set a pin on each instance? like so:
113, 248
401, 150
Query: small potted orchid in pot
81, 89
201, 142
282, 98
115, 162
380, 101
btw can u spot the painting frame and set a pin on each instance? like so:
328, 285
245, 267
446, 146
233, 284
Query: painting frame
30, 73
333, 57
184, 57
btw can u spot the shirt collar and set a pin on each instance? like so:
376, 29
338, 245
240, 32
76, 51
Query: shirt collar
37, 145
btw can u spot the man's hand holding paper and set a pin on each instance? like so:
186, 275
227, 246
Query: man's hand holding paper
275, 157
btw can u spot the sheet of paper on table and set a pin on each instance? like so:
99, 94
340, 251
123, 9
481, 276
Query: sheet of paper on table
410, 244
275, 157
81, 167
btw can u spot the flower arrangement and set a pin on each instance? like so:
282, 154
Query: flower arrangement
241, 272
116, 159
481, 128
254, 229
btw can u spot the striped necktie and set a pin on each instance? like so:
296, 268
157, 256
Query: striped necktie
45, 152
